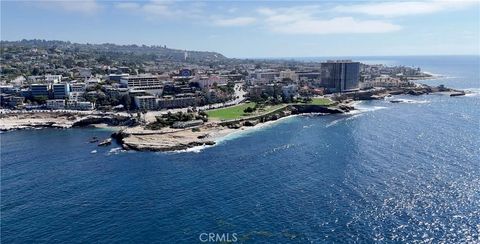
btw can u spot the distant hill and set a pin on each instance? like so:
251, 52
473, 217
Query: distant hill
151, 52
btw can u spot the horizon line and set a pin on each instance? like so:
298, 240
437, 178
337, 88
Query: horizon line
258, 57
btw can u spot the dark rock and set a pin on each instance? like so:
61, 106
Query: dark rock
105, 142
210, 143
94, 139
250, 123
456, 94
396, 101
202, 136
114, 120
234, 126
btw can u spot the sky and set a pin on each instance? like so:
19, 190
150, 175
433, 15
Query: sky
256, 29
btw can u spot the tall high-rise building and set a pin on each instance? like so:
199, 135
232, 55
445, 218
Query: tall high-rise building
340, 76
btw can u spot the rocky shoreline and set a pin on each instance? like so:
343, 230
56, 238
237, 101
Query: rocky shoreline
61, 120
141, 139
134, 135
381, 93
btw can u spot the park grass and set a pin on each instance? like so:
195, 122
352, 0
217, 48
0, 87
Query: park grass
236, 112
321, 101
233, 112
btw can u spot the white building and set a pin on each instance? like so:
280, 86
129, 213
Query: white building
288, 74
149, 84
18, 81
209, 81
266, 75
384, 81
53, 78
76, 105
76, 91
56, 104
92, 80
61, 90
146, 102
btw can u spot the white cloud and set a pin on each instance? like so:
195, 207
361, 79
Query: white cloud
302, 20
84, 7
339, 25
238, 21
232, 10
154, 10
128, 6
395, 9
163, 9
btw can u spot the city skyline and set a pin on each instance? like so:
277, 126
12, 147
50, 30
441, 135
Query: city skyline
246, 29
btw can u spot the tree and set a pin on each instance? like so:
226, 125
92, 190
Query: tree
36, 71
40, 99
248, 110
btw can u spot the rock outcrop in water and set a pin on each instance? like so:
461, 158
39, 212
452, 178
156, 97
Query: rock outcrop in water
381, 93
140, 139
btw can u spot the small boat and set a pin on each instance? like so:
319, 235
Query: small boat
94, 151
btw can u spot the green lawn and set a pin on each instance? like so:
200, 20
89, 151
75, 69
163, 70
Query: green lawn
236, 112
233, 112
321, 101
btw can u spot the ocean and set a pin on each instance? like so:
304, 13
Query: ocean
389, 172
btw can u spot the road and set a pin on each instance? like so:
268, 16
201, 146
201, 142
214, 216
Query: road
240, 96
150, 116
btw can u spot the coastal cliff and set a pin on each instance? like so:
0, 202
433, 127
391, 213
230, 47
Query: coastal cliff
137, 137
140, 139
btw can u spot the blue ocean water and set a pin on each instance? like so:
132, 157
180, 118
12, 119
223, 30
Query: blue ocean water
390, 172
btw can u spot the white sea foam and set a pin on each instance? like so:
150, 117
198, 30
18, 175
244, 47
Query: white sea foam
247, 130
366, 108
412, 101
115, 150
434, 75
283, 147
333, 123
472, 92
360, 110
355, 116
234, 135
195, 149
